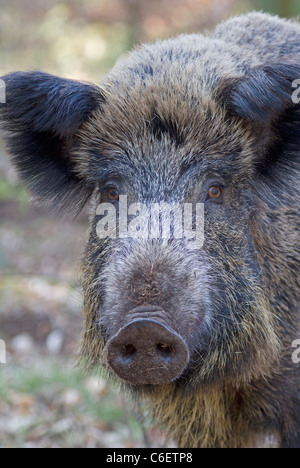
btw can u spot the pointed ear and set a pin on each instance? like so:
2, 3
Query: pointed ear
39, 121
263, 94
266, 100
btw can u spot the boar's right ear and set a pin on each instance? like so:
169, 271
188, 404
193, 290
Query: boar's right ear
263, 94
39, 119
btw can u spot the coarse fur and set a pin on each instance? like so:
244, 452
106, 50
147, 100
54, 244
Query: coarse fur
171, 120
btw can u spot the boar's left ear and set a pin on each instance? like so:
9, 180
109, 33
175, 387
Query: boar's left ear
263, 94
39, 119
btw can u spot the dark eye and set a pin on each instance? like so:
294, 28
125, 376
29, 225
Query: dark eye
214, 192
113, 194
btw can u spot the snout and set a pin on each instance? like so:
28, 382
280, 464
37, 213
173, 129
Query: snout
147, 352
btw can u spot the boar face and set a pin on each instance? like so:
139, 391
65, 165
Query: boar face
211, 297
167, 129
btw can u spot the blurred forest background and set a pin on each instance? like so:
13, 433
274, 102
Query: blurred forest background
44, 402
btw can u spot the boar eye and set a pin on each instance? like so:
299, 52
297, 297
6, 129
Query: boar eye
113, 194
214, 192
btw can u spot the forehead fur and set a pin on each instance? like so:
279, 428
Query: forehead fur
166, 94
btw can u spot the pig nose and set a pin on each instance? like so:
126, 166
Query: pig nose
147, 352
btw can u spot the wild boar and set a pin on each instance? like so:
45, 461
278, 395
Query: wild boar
204, 334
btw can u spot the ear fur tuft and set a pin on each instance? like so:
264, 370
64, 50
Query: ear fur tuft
39, 120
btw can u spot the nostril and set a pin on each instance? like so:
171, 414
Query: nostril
128, 350
165, 349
